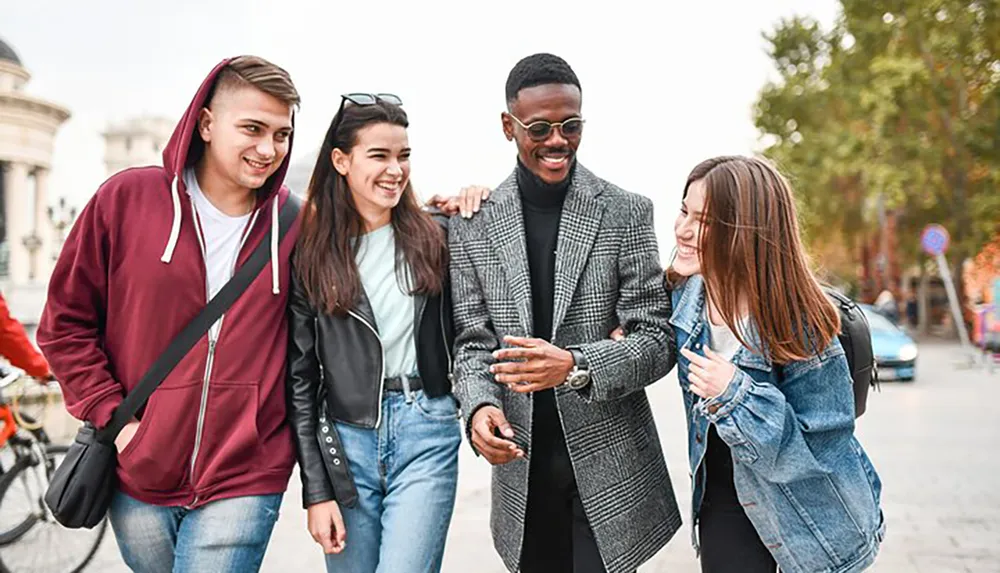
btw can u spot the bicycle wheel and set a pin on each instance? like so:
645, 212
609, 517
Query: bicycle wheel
35, 540
21, 454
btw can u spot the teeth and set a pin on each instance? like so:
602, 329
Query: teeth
256, 164
388, 186
686, 251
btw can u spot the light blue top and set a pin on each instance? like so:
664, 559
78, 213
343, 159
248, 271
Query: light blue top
392, 305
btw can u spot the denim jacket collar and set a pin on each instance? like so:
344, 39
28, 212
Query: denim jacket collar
689, 311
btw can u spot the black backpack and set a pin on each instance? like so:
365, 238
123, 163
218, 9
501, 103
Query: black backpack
856, 338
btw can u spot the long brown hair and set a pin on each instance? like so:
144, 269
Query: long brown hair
325, 255
751, 253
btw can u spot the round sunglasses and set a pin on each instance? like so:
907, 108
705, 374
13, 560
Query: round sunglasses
541, 130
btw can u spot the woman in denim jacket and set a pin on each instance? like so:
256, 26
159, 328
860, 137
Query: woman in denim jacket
779, 479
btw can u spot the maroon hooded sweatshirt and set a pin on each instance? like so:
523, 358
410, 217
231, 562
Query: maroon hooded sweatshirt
130, 277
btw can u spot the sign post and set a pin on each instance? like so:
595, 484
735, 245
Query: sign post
934, 240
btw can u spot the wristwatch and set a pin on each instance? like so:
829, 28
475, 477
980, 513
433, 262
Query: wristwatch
579, 376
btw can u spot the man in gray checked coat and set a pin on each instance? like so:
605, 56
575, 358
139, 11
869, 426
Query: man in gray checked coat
557, 259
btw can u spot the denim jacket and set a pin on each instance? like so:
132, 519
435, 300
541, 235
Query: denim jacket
803, 479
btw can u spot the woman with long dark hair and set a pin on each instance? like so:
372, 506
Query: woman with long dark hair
779, 478
375, 423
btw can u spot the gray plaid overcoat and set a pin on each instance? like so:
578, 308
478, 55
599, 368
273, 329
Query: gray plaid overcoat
608, 273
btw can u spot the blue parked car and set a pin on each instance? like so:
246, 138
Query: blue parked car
895, 351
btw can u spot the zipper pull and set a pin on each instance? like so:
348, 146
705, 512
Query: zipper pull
211, 345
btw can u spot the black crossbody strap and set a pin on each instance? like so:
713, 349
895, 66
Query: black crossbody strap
198, 327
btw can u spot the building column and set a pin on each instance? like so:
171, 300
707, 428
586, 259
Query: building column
43, 226
18, 225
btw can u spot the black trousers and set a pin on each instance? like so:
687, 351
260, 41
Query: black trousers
729, 542
557, 535
558, 538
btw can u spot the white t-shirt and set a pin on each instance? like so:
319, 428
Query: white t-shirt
223, 236
390, 300
722, 340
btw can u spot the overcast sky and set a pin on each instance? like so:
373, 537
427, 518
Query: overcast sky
663, 87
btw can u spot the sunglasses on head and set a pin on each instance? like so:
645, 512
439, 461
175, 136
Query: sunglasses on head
369, 99
362, 99
541, 130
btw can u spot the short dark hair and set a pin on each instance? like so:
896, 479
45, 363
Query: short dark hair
537, 70
257, 72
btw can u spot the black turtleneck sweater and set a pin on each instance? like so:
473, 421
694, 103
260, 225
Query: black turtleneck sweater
542, 207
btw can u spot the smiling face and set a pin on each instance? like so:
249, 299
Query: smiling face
688, 228
246, 134
550, 159
377, 168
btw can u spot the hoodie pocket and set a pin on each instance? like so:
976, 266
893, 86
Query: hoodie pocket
229, 438
158, 457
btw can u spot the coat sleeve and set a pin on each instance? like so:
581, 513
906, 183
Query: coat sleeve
475, 338
646, 354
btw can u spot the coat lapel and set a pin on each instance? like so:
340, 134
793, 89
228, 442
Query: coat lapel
506, 230
578, 228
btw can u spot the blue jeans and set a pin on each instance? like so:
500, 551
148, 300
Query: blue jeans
229, 535
406, 472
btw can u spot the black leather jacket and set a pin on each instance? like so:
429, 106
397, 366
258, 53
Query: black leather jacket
335, 374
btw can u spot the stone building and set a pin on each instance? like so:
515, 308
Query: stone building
28, 127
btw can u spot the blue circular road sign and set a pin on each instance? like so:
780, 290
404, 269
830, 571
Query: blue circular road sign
934, 239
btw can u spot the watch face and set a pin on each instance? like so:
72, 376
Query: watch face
579, 380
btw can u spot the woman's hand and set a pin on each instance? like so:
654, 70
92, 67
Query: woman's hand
326, 526
709, 375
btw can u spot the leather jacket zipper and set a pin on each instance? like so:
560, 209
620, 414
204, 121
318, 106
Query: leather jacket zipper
381, 378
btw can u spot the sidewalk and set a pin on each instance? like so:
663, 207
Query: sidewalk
934, 442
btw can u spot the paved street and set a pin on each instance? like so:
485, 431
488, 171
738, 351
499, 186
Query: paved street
934, 442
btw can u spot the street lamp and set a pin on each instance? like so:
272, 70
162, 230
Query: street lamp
32, 242
61, 217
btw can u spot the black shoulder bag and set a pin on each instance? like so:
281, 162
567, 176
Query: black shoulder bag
856, 338
81, 488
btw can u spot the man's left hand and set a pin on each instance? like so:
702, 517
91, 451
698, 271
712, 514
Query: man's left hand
541, 365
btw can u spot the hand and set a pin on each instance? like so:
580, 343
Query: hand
326, 525
543, 365
467, 202
709, 375
126, 435
485, 421
618, 334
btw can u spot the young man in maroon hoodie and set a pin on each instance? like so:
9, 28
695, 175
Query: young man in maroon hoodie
202, 471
